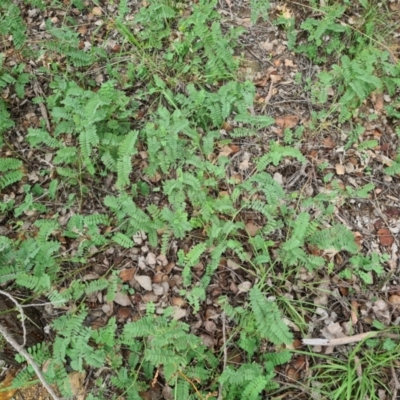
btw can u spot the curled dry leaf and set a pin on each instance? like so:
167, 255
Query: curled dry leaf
340, 170
122, 299
232, 265
97, 11
179, 313
123, 314
225, 151
108, 308
149, 297
329, 143
394, 299
127, 274
76, 381
278, 178
286, 12
158, 289
167, 393
354, 311
90, 277
287, 121
207, 340
385, 237
178, 301
210, 326
244, 287
162, 260
252, 229
144, 281
151, 259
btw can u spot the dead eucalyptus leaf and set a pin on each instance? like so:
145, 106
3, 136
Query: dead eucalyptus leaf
144, 281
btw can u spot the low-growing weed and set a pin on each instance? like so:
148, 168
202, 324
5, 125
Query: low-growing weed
145, 144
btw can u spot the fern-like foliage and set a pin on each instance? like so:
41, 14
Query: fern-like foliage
338, 237
168, 343
124, 164
276, 153
11, 23
259, 8
268, 319
359, 79
11, 172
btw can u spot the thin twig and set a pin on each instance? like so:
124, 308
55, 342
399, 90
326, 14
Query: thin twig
21, 311
7, 336
221, 386
396, 383
49, 303
349, 339
190, 381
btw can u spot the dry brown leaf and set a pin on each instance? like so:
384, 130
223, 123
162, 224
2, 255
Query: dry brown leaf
237, 178
289, 63
252, 228
149, 297
159, 277
245, 163
97, 11
385, 237
90, 277
286, 12
162, 260
179, 313
168, 393
244, 287
158, 289
151, 259
144, 281
394, 299
207, 340
329, 143
354, 312
267, 45
392, 212
122, 299
178, 301
82, 30
127, 274
349, 168
235, 148
108, 308
378, 102
340, 170
210, 326
232, 265
76, 381
155, 178
245, 22
225, 151
5, 385
287, 121
226, 126
358, 239
293, 374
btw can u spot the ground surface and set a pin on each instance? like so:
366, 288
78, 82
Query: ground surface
336, 300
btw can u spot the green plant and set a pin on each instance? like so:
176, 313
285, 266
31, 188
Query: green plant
151, 152
356, 374
363, 66
11, 171
11, 23
263, 322
364, 266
